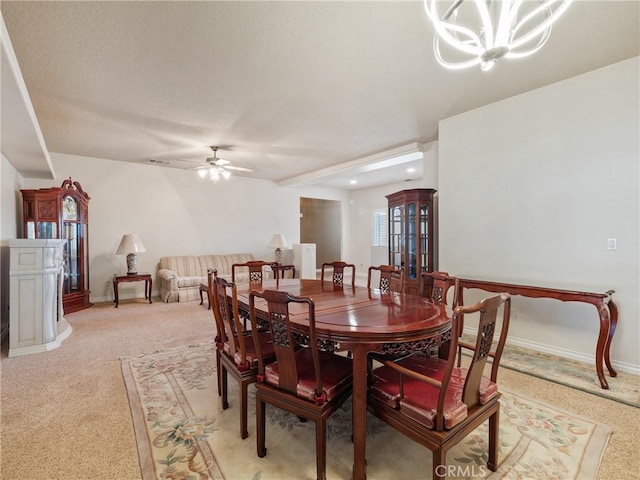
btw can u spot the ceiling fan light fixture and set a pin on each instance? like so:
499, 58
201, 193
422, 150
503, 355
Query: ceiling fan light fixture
216, 168
480, 32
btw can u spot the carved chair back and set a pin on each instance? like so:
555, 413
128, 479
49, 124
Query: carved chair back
256, 269
391, 278
435, 286
229, 317
338, 273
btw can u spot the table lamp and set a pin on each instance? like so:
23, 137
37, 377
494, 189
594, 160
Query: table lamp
278, 242
130, 245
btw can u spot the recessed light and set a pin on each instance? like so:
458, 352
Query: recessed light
411, 169
353, 182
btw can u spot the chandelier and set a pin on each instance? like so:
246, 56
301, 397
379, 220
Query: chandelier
472, 32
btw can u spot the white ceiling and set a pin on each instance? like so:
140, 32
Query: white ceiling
285, 88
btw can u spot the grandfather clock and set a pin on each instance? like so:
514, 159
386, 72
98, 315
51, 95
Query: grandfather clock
63, 213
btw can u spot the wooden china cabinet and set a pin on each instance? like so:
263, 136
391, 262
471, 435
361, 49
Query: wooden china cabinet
63, 213
412, 234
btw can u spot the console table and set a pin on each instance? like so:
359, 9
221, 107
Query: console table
133, 277
607, 312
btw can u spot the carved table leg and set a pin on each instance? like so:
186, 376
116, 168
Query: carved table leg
613, 323
603, 340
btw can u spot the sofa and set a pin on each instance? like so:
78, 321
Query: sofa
180, 276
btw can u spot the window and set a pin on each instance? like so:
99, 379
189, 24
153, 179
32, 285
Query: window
380, 232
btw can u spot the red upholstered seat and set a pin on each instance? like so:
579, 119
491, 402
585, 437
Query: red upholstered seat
250, 349
420, 400
336, 371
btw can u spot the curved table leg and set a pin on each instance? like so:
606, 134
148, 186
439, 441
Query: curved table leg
604, 339
613, 323
116, 300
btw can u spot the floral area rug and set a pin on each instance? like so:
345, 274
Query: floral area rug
624, 388
183, 433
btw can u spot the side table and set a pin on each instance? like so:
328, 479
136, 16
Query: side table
204, 287
132, 277
284, 268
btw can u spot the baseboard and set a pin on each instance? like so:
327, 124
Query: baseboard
565, 353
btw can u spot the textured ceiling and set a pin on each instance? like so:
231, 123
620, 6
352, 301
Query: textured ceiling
285, 88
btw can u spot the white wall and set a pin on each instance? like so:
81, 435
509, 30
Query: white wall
177, 213
10, 205
531, 187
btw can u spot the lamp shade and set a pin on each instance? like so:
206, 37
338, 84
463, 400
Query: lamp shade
130, 243
277, 241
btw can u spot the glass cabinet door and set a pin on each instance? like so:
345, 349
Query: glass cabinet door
424, 237
45, 230
72, 232
396, 236
412, 257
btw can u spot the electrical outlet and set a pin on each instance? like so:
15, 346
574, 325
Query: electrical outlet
611, 244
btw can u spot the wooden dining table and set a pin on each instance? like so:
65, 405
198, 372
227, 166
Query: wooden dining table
361, 320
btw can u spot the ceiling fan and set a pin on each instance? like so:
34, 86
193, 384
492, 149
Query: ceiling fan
216, 167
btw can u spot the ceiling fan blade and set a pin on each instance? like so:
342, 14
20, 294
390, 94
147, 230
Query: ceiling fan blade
222, 162
238, 169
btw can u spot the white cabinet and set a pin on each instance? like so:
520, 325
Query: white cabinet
304, 259
36, 320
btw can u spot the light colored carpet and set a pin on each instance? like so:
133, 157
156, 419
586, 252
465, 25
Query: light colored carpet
182, 431
64, 414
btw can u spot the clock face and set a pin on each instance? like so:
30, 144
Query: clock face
69, 209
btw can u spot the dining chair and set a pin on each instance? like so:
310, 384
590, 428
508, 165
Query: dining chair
435, 286
256, 270
338, 273
436, 403
212, 274
303, 380
237, 347
391, 278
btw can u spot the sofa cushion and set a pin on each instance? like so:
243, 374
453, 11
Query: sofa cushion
184, 266
189, 281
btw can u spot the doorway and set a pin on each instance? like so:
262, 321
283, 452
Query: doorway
321, 223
